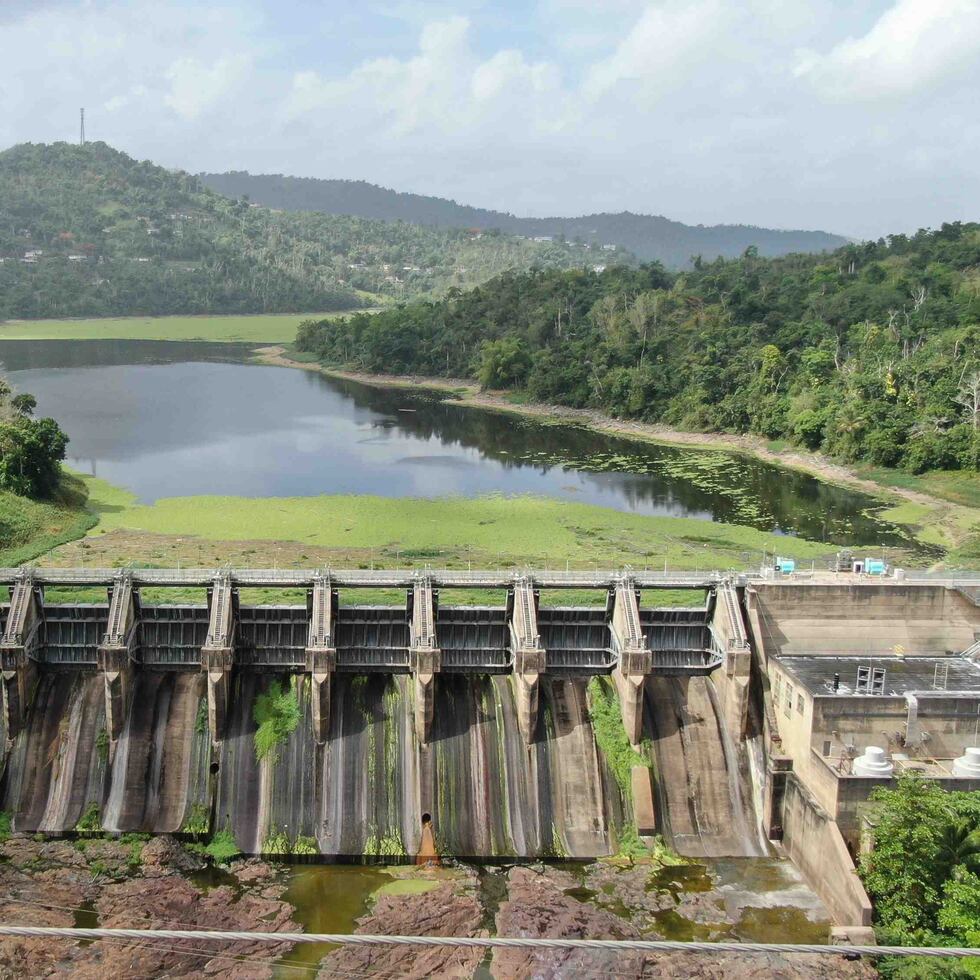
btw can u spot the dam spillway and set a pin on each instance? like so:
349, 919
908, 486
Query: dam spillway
503, 724
127, 715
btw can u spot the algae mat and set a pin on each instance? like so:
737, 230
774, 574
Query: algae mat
522, 528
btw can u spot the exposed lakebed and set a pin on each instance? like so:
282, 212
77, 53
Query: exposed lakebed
169, 419
159, 884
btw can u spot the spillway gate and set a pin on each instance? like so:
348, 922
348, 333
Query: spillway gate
425, 636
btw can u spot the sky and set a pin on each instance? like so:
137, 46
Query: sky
858, 118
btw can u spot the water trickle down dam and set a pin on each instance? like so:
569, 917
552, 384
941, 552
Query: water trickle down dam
140, 717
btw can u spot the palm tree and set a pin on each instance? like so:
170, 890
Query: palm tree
960, 844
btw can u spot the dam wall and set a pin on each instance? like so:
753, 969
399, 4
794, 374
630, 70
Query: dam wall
366, 791
704, 792
477, 720
344, 728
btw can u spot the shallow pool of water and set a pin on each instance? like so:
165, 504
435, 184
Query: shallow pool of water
327, 898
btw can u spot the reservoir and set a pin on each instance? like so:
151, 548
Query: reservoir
166, 419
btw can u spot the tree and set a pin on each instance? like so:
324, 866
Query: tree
861, 366
30, 454
959, 914
24, 403
959, 844
968, 397
503, 363
921, 872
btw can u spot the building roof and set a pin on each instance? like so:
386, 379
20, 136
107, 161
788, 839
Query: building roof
932, 675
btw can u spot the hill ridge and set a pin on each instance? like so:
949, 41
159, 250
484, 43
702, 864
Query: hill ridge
649, 237
88, 231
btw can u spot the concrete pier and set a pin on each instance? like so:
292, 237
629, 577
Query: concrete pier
116, 653
634, 662
529, 656
731, 637
321, 654
425, 656
218, 652
18, 651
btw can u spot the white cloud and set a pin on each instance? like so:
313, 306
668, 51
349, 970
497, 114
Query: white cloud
911, 46
664, 46
699, 109
196, 86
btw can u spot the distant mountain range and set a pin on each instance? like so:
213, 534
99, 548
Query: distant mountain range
647, 236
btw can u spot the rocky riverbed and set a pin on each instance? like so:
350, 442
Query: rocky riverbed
160, 883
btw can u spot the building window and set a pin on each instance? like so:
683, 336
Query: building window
788, 705
775, 688
799, 703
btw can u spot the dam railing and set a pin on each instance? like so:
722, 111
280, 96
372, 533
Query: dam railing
366, 578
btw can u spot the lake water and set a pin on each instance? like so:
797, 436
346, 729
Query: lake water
174, 419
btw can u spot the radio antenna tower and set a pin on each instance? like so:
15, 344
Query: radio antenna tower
82, 139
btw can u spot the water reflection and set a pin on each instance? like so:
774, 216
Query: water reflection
172, 419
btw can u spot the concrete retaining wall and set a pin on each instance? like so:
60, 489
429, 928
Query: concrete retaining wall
865, 619
814, 843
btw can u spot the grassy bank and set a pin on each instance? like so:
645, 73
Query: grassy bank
273, 328
29, 528
367, 531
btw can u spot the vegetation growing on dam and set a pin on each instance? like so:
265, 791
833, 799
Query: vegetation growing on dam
276, 712
606, 716
867, 354
924, 871
607, 723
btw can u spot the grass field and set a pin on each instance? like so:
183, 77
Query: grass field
957, 486
277, 328
378, 532
494, 529
101, 525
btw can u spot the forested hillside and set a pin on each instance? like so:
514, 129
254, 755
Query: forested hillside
871, 353
89, 231
647, 236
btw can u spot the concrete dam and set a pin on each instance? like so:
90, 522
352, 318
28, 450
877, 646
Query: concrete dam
129, 715
769, 705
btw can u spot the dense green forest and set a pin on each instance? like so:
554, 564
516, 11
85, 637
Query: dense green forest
650, 237
870, 353
89, 231
924, 875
